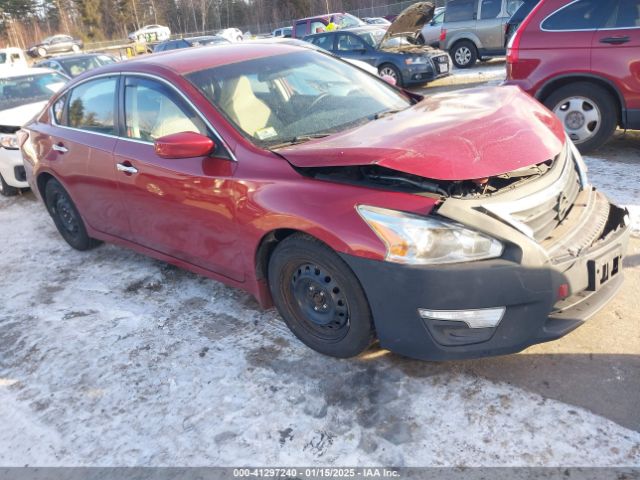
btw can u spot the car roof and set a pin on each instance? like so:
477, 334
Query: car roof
21, 72
190, 60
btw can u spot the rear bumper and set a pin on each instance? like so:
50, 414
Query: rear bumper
530, 296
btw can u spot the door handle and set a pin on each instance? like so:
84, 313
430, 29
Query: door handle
121, 167
615, 40
60, 148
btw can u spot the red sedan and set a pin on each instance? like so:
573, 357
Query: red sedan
448, 227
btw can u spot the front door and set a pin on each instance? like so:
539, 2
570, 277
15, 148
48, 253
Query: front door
184, 208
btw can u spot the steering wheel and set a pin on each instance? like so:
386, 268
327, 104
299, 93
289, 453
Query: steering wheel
318, 99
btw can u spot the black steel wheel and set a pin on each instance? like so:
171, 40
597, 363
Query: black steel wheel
319, 297
66, 217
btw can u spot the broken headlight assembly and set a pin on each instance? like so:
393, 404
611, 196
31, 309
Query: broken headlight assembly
415, 240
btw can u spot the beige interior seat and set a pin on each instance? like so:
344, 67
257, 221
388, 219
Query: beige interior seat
241, 105
172, 120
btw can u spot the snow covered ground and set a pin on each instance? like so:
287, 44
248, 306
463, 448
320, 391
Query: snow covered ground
111, 358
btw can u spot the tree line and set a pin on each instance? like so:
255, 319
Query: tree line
23, 22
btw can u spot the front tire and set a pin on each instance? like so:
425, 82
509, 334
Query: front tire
66, 217
42, 52
7, 190
75, 48
464, 54
319, 297
587, 112
393, 72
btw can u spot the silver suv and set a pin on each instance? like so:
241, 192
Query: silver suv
475, 29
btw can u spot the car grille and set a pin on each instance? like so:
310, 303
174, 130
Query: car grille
544, 217
20, 173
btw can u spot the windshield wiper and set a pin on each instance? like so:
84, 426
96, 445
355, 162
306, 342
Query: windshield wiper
298, 139
385, 113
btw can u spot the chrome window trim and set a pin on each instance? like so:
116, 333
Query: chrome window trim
578, 29
144, 75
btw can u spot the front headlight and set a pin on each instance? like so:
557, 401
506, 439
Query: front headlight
415, 240
9, 141
415, 60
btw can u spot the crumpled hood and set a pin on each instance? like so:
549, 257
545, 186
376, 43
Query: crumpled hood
410, 22
18, 116
465, 135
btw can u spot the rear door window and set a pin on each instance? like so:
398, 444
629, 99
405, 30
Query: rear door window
628, 14
490, 9
460, 10
92, 106
580, 15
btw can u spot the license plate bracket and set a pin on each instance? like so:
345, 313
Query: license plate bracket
603, 269
443, 67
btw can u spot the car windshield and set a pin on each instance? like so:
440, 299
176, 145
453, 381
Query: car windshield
374, 37
26, 89
290, 98
76, 66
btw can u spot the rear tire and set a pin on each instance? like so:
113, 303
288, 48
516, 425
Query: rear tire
66, 217
464, 54
319, 297
75, 48
6, 189
392, 71
42, 52
588, 113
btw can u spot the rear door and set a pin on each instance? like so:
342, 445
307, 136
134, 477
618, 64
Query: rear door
615, 54
184, 208
83, 137
460, 18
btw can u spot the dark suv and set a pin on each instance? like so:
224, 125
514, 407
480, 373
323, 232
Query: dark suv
580, 58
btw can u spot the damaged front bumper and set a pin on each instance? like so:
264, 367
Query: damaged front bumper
539, 290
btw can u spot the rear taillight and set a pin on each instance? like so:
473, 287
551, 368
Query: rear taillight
513, 48
443, 34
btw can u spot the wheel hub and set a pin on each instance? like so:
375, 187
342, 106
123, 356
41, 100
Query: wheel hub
575, 120
321, 301
66, 215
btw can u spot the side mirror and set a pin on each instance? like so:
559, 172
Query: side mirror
390, 80
183, 145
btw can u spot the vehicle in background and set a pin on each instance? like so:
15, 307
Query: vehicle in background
580, 58
517, 18
454, 226
12, 57
150, 33
376, 21
234, 35
391, 51
310, 25
285, 32
475, 29
74, 65
23, 94
55, 44
190, 42
430, 34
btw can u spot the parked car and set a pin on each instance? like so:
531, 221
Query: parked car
430, 34
453, 226
55, 44
376, 21
517, 18
580, 59
151, 33
12, 57
285, 32
23, 94
307, 26
234, 35
393, 51
190, 42
74, 65
475, 29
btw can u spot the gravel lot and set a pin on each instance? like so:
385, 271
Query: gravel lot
110, 358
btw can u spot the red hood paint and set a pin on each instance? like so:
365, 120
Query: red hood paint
459, 136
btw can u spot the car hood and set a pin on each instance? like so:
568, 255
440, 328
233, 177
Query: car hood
467, 135
18, 116
410, 22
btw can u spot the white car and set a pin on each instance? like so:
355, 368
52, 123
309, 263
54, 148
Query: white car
151, 33
23, 94
234, 35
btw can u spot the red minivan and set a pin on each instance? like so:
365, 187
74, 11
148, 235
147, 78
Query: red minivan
454, 226
581, 58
